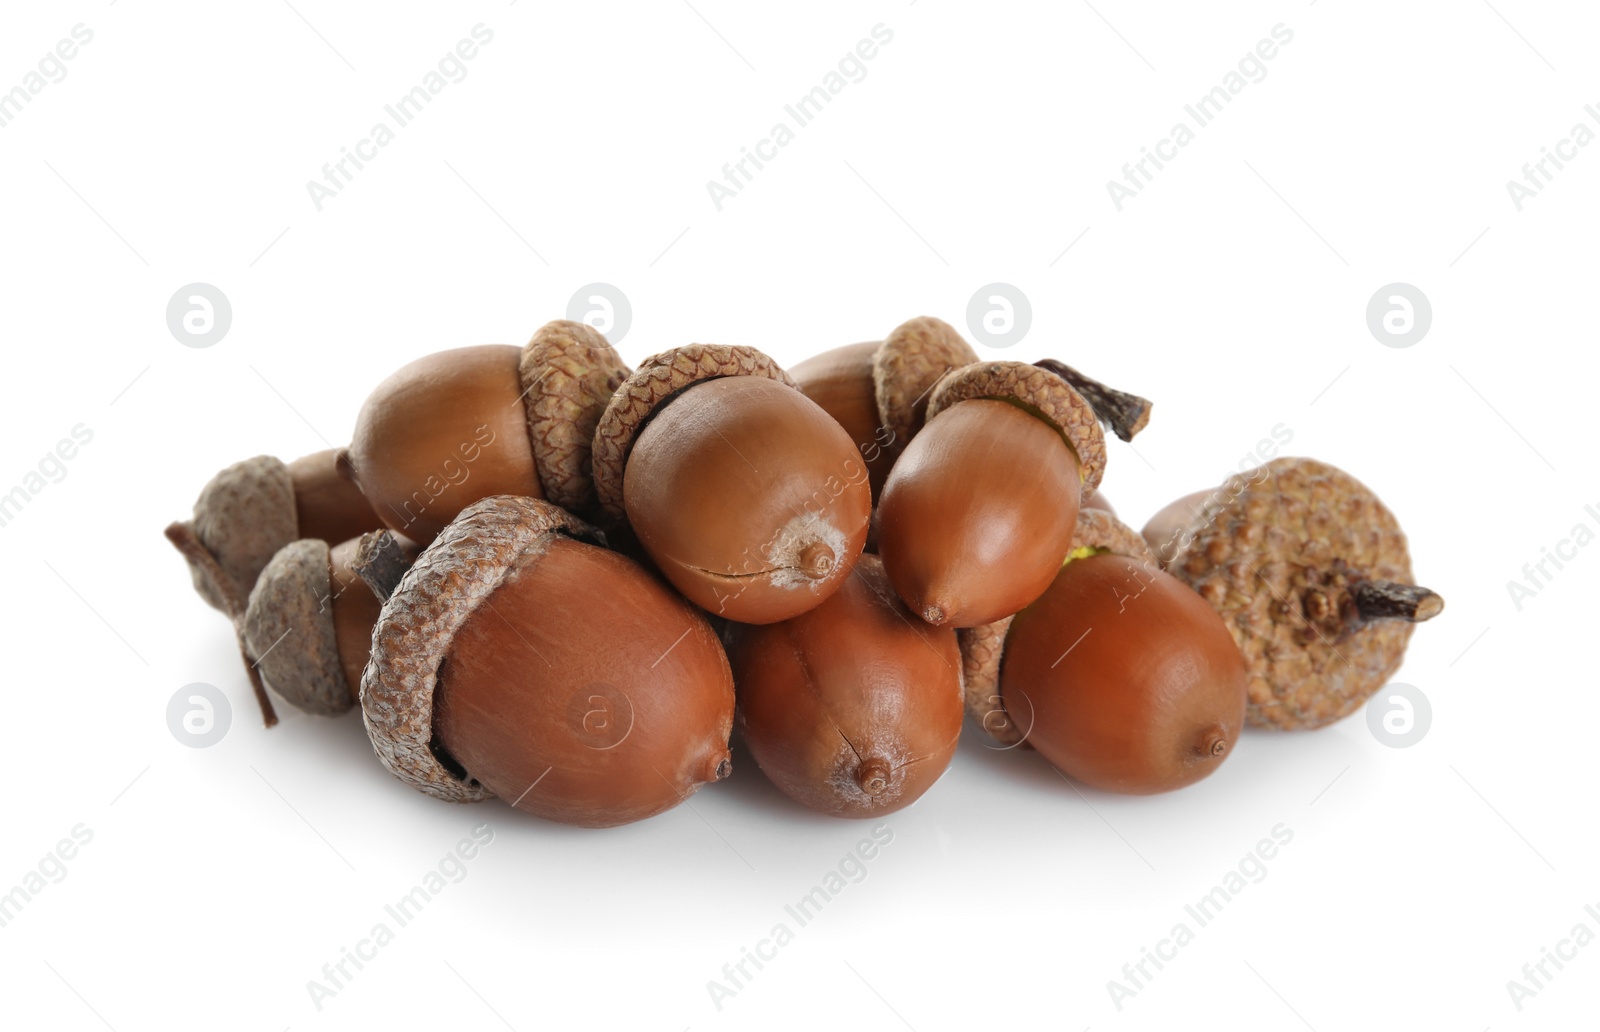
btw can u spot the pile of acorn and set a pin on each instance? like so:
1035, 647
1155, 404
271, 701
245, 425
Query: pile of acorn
547, 579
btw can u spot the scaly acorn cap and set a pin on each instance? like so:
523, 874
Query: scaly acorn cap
1311, 574
288, 627
569, 372
983, 648
659, 378
907, 365
1040, 392
455, 573
242, 517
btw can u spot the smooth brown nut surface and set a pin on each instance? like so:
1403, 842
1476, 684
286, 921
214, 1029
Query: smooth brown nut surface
840, 381
584, 691
748, 497
441, 433
1123, 678
978, 513
853, 708
328, 504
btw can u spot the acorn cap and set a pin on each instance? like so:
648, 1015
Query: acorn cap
1042, 393
1311, 574
907, 365
982, 648
659, 378
460, 569
288, 628
242, 517
569, 372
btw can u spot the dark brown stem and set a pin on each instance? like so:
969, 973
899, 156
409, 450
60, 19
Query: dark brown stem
1386, 600
1122, 413
186, 541
380, 562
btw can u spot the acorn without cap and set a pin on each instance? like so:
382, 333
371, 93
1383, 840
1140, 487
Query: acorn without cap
1311, 574
742, 491
457, 426
978, 510
853, 708
516, 659
1119, 674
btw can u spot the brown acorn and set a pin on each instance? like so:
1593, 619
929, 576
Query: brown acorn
743, 492
255, 507
309, 622
1312, 576
516, 659
1098, 500
1172, 528
978, 510
1119, 674
457, 426
878, 390
853, 708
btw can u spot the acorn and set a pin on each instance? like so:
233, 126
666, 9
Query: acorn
1311, 574
979, 509
255, 507
744, 493
878, 390
1173, 526
457, 426
853, 708
1098, 500
310, 618
1119, 675
518, 659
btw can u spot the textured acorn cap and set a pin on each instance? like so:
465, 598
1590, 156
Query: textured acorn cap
907, 365
658, 379
1040, 392
983, 648
288, 628
569, 372
1312, 576
435, 598
242, 517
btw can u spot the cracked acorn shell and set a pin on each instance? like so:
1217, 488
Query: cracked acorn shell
1118, 675
516, 659
1311, 574
309, 625
744, 493
979, 509
460, 425
251, 509
853, 708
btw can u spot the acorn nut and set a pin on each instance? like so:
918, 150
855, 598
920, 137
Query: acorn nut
742, 491
517, 659
853, 708
979, 509
457, 426
1311, 573
1119, 675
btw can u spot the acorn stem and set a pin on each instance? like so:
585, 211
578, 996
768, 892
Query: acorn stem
188, 543
873, 776
380, 562
1122, 413
1386, 600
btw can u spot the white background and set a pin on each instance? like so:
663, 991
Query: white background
1232, 291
